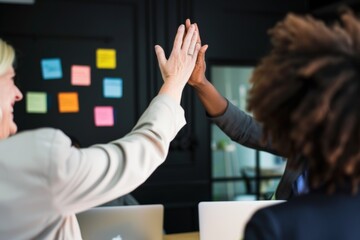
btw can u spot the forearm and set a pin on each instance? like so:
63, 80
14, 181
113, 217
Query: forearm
172, 89
214, 103
242, 128
92, 176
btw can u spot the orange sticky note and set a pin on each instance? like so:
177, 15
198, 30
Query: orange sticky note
106, 58
68, 102
104, 116
80, 75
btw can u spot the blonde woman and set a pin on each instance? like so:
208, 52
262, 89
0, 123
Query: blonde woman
44, 181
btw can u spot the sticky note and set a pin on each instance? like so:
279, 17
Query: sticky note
51, 68
36, 102
68, 102
113, 87
104, 116
80, 75
106, 58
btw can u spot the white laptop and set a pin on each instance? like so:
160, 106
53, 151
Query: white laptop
227, 220
135, 222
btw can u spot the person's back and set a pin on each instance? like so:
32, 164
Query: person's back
308, 217
25, 185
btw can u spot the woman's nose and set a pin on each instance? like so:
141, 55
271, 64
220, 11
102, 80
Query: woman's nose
18, 95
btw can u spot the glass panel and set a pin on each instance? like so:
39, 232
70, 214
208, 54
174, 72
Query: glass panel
231, 190
229, 159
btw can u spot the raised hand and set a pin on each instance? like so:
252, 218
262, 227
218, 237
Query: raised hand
198, 75
177, 69
214, 103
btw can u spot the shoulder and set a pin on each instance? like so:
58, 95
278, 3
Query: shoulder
285, 220
264, 224
40, 135
34, 150
34, 142
272, 222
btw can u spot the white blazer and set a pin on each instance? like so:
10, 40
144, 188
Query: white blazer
44, 181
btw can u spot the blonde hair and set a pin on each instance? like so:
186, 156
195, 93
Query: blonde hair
7, 56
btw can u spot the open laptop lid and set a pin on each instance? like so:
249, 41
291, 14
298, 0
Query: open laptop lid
227, 220
137, 222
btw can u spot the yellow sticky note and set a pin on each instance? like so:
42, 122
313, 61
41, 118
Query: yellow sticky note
36, 102
106, 58
68, 102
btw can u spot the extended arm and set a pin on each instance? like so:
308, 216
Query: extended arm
84, 178
235, 123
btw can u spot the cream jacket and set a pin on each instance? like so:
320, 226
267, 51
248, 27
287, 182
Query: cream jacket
44, 181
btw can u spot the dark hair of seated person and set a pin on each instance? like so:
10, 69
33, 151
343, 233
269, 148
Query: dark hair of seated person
306, 93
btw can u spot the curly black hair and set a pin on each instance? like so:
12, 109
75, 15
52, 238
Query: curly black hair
306, 93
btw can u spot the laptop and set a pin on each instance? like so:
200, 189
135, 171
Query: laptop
227, 220
135, 222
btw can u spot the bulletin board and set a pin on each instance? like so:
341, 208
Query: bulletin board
75, 67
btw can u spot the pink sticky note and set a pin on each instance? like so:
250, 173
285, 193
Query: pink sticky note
104, 116
80, 75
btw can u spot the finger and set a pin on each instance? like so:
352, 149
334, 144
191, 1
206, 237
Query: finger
197, 29
201, 54
187, 24
179, 37
188, 37
160, 55
193, 43
196, 51
203, 50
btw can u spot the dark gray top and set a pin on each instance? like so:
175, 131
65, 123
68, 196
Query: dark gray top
245, 130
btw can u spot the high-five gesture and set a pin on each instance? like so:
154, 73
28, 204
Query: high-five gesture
198, 75
176, 70
211, 99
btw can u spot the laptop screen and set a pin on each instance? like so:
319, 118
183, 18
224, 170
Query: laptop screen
227, 220
136, 222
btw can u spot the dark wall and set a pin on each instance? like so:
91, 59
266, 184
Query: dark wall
73, 29
237, 30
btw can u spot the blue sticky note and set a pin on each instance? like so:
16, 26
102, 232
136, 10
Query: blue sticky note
113, 87
51, 68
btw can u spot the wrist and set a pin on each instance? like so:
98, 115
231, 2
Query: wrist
172, 89
174, 84
201, 85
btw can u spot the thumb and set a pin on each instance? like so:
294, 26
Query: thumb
203, 50
160, 55
201, 54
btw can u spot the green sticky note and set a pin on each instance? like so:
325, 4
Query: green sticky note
36, 102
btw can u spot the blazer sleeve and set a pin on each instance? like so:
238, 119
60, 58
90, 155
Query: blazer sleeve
242, 128
84, 178
262, 226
